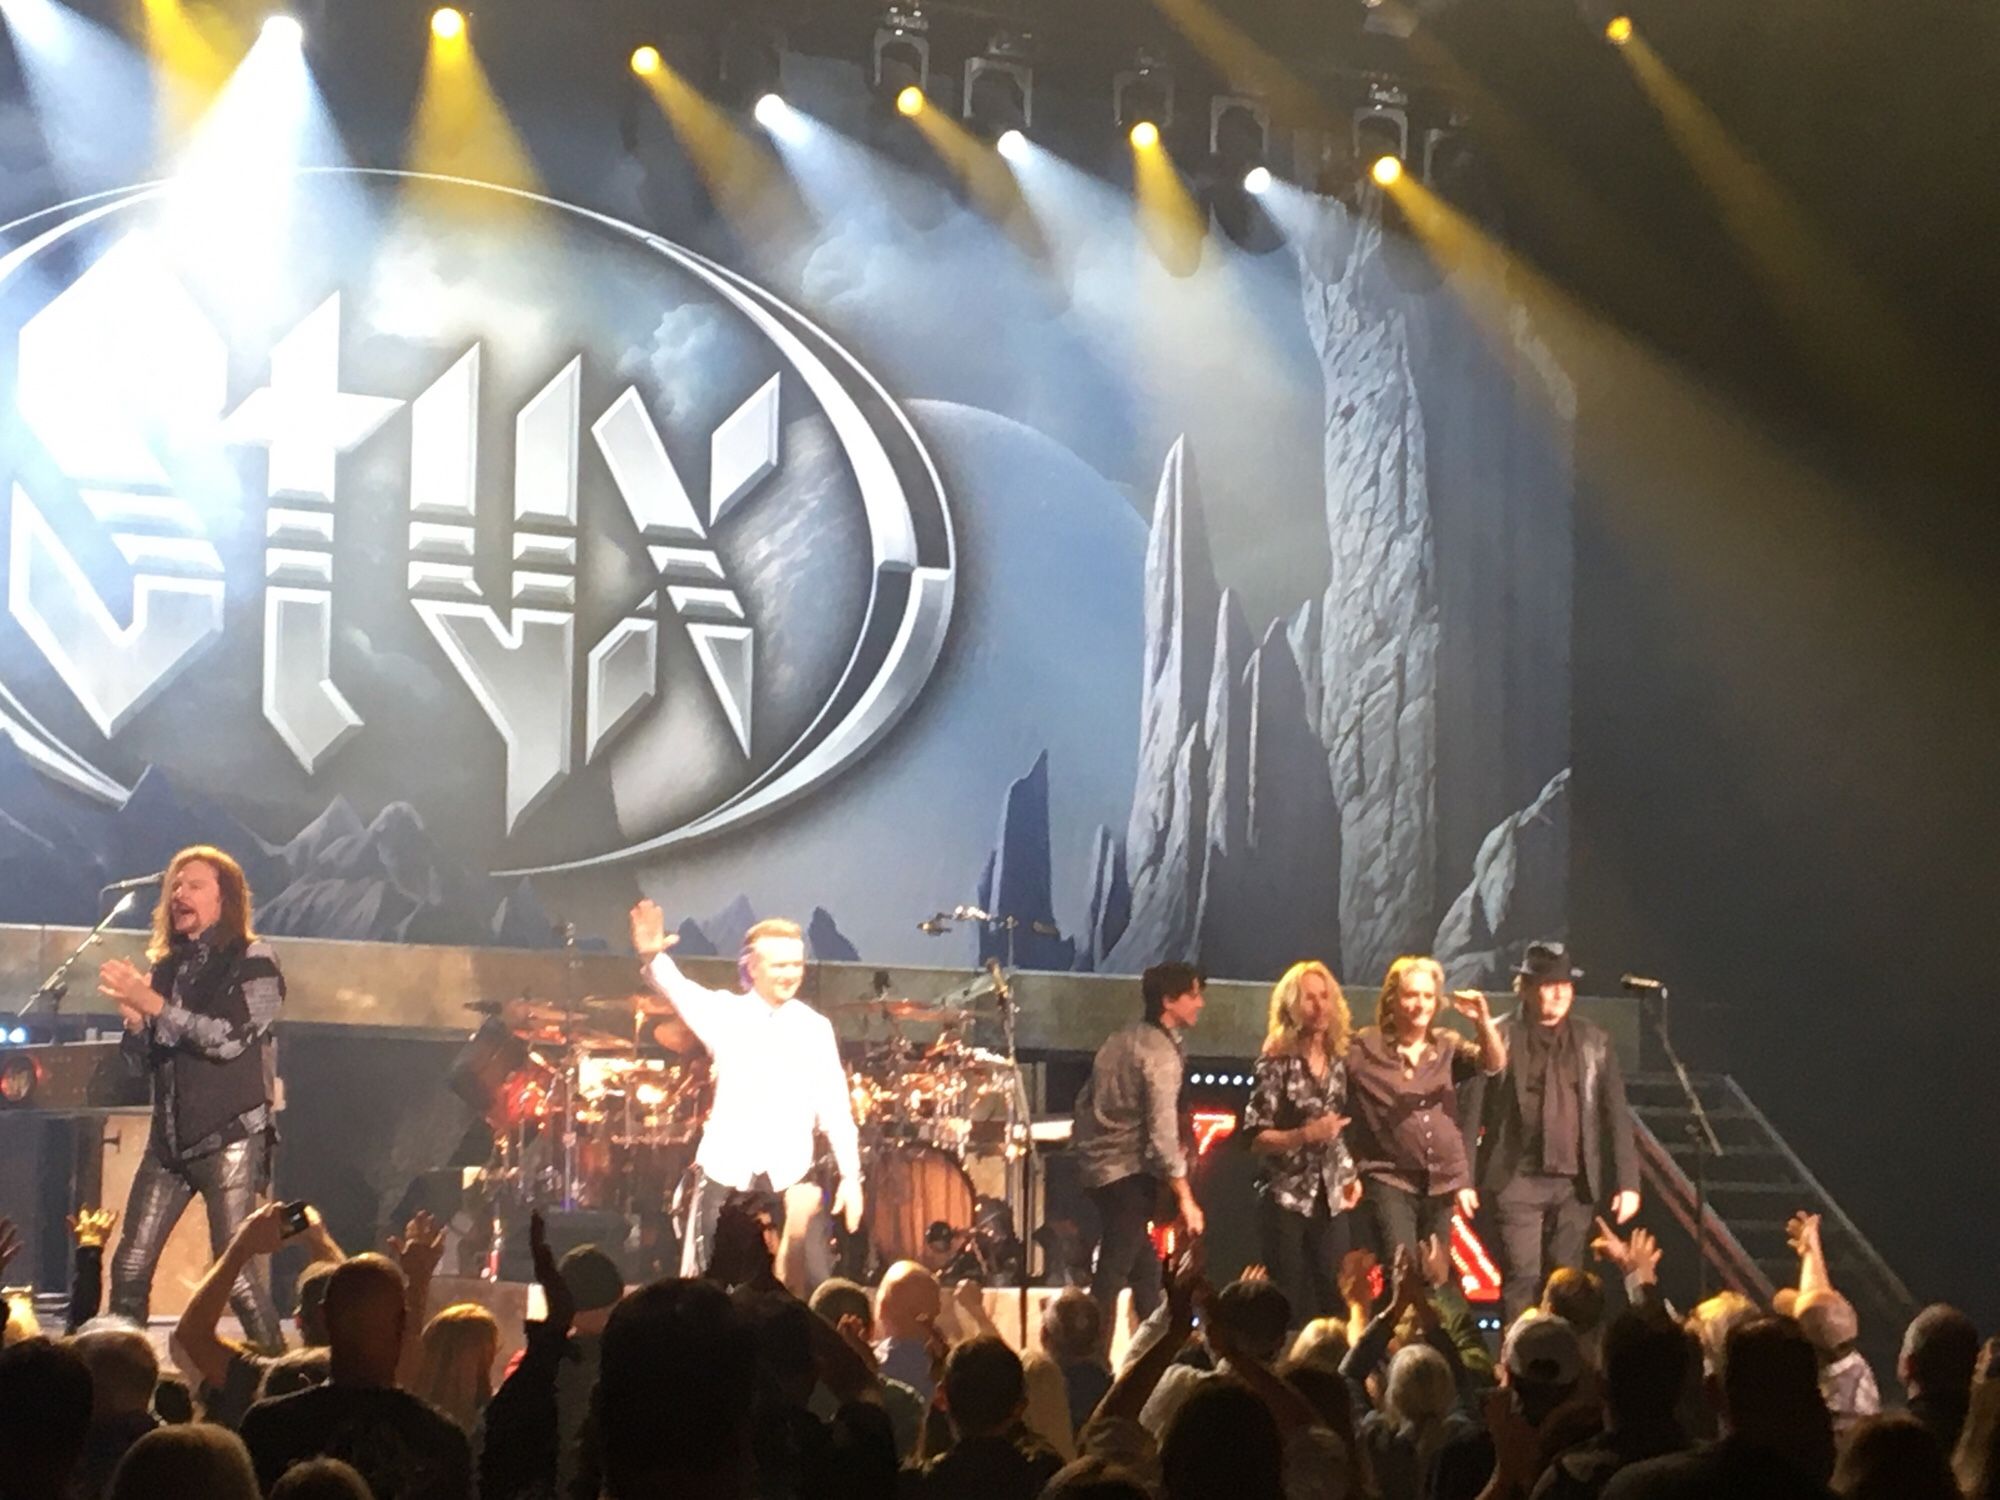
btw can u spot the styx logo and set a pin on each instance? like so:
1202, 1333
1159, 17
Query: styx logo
121, 374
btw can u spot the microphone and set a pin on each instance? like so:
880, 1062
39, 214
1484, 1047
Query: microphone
134, 883
970, 914
1639, 984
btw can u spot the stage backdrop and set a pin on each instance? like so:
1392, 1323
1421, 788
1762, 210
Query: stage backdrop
470, 558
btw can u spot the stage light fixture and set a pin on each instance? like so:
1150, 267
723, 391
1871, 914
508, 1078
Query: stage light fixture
1618, 31
771, 111
1239, 132
1145, 135
1387, 171
1013, 145
999, 93
902, 54
1257, 181
646, 61
447, 23
1382, 127
283, 28
1144, 95
910, 101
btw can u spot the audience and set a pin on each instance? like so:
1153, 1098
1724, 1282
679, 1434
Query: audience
1940, 1349
992, 1455
731, 1387
45, 1395
404, 1448
1073, 1336
196, 1460
455, 1369
1777, 1438
1893, 1457
123, 1373
321, 1479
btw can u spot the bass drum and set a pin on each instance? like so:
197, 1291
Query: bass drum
910, 1188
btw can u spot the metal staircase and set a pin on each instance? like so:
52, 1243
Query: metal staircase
1756, 1185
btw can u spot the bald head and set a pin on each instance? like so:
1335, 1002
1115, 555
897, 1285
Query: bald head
1829, 1321
909, 1296
364, 1320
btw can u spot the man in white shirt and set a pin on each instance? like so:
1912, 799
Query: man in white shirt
777, 1077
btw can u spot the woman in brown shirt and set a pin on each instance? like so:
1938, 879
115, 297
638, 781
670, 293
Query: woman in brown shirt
1402, 1078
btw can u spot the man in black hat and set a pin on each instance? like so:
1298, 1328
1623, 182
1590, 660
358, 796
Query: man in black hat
1556, 1133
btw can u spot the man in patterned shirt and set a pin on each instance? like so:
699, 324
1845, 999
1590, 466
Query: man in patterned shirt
200, 1021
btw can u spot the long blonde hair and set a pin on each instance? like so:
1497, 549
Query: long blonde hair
235, 918
455, 1372
1284, 1034
1392, 985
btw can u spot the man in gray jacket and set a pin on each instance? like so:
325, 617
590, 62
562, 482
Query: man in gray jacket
1127, 1140
1555, 1131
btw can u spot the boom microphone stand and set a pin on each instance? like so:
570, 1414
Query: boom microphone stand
1700, 1130
57, 984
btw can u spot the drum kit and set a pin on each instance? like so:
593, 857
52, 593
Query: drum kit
581, 1119
599, 1104
934, 1118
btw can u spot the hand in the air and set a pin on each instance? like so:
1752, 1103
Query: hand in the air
92, 1226
1472, 1004
1434, 1260
420, 1248
650, 937
1357, 1277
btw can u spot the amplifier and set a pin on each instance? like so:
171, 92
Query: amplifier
70, 1076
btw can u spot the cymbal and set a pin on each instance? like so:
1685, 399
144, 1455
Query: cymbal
906, 1010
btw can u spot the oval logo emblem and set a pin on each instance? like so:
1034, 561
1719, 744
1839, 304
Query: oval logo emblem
372, 463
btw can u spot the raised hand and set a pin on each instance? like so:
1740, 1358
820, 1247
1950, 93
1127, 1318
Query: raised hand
1357, 1273
1473, 1005
420, 1248
1645, 1256
91, 1227
650, 937
1255, 1271
1802, 1233
263, 1233
1434, 1260
1610, 1246
558, 1303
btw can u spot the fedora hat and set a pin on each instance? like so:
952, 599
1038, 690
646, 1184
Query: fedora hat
1547, 963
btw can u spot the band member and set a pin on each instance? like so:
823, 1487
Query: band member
777, 1077
1557, 1133
1294, 1122
201, 1024
1402, 1078
1127, 1140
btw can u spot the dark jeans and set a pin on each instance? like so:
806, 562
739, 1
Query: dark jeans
1404, 1218
1124, 1249
1542, 1223
1303, 1253
230, 1182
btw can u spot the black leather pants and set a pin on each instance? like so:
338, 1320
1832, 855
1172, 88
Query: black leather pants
230, 1182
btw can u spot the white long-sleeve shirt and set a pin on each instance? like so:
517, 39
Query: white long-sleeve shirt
777, 1075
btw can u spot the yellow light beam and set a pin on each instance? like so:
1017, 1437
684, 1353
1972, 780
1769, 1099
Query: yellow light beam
1241, 60
1169, 218
193, 55
460, 128
988, 179
1840, 321
1751, 538
744, 178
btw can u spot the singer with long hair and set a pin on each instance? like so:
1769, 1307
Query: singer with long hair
1294, 1121
200, 1023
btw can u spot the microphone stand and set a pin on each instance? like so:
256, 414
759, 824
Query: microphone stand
57, 984
1701, 1132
